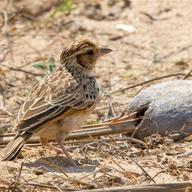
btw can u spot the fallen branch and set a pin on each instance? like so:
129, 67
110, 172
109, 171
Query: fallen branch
22, 70
148, 81
166, 187
112, 127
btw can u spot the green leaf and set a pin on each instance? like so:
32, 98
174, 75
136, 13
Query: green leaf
51, 65
65, 7
51, 68
40, 66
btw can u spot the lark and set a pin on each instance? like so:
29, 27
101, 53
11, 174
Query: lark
61, 102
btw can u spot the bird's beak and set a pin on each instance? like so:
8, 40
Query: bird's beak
104, 51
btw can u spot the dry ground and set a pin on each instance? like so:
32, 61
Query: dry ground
157, 41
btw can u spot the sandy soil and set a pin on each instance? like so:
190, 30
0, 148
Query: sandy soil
150, 38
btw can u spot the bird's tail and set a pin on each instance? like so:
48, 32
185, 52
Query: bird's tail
13, 148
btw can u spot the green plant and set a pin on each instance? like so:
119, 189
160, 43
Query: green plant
48, 66
64, 8
51, 65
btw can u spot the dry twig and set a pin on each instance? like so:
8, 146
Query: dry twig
22, 70
148, 81
166, 187
89, 131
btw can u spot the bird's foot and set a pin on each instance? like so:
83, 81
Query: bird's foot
69, 158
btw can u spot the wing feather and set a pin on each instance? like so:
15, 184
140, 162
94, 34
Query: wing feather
49, 102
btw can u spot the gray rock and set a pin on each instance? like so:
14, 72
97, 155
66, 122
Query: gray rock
166, 108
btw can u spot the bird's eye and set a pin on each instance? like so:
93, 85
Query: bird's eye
90, 53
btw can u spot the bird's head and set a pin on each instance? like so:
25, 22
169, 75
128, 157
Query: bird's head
84, 54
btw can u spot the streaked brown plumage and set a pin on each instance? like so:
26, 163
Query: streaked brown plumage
62, 101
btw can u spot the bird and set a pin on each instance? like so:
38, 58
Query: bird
61, 102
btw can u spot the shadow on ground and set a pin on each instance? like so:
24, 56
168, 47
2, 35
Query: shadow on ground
61, 164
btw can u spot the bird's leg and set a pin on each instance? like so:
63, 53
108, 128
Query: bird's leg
60, 138
44, 142
65, 151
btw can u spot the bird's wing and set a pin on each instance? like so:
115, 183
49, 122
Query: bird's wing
57, 95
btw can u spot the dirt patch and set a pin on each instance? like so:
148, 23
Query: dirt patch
149, 39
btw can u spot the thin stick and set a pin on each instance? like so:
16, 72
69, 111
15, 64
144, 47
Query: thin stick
107, 128
165, 187
20, 170
158, 173
144, 171
22, 70
148, 81
42, 185
189, 73
52, 183
113, 160
82, 142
